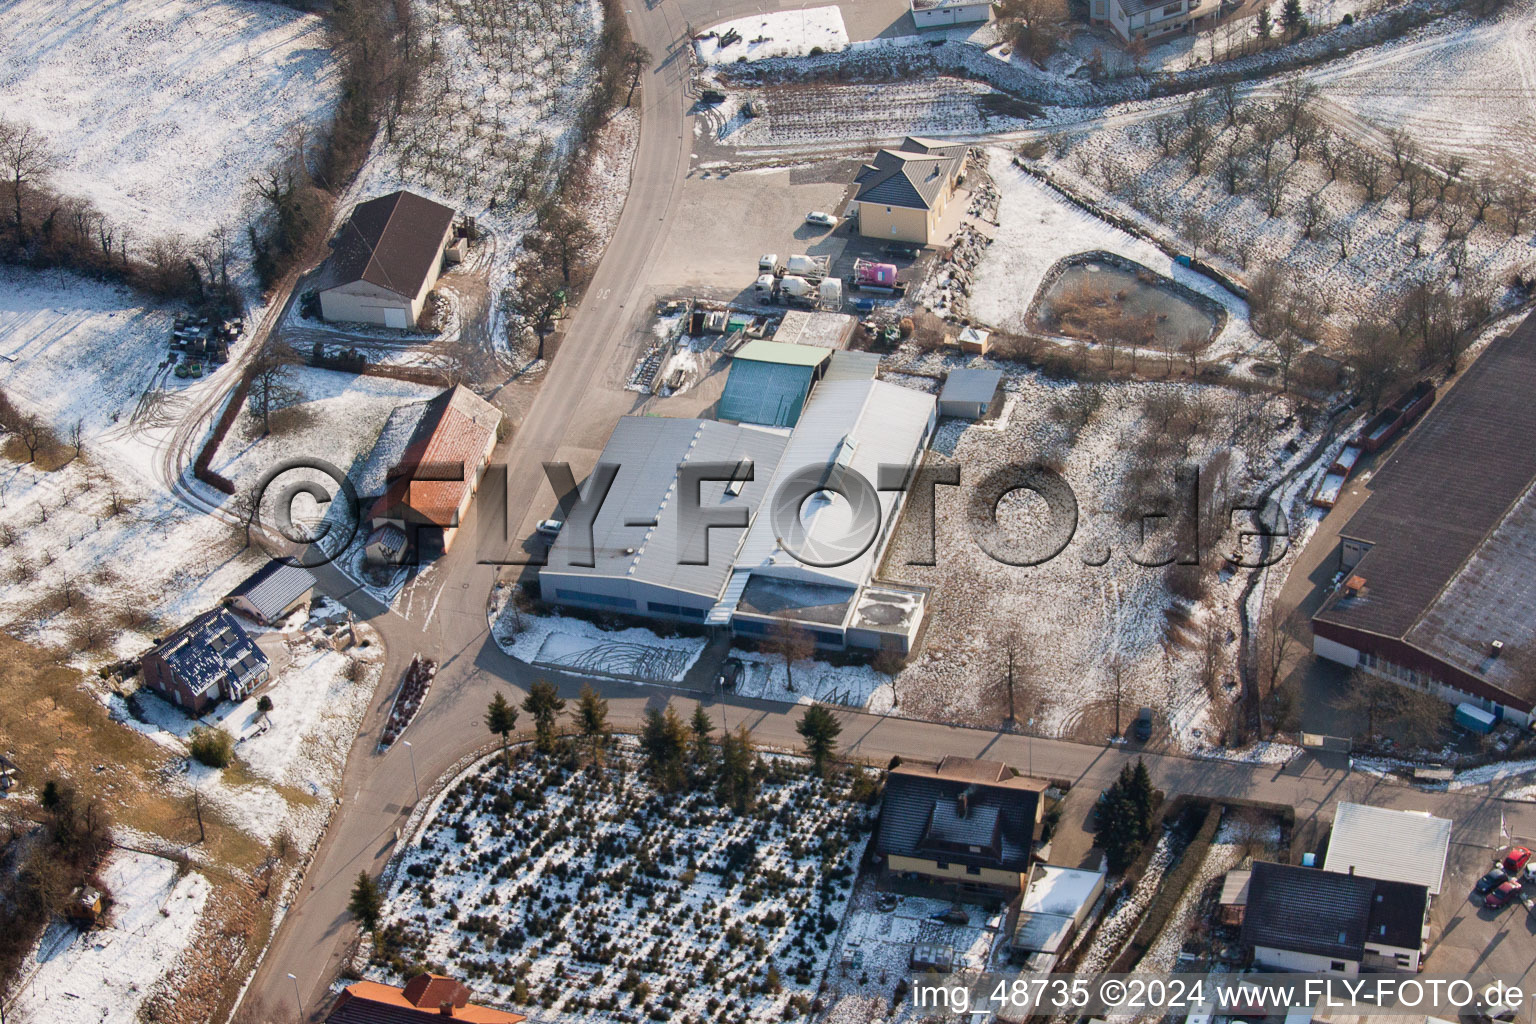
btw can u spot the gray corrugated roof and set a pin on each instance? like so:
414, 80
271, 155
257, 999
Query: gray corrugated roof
648, 451
911, 176
852, 366
274, 587
1325, 913
971, 386
866, 423
1440, 500
1377, 842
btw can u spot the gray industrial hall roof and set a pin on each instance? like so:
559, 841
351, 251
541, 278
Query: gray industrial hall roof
861, 425
847, 365
648, 451
1451, 524
971, 386
771, 394
1325, 913
1378, 842
911, 176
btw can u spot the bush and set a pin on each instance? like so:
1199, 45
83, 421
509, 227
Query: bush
212, 746
264, 704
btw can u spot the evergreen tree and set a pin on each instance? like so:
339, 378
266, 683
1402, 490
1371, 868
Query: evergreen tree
544, 703
1292, 16
1125, 816
820, 731
664, 739
1265, 22
501, 719
701, 727
366, 904
736, 784
592, 719
1139, 791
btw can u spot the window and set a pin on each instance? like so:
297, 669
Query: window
824, 637
602, 599
681, 611
746, 626
942, 865
972, 870
1171, 9
1336, 965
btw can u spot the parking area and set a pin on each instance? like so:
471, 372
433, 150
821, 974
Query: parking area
1466, 936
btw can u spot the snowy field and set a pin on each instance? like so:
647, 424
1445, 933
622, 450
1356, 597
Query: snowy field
601, 893
1461, 87
292, 757
59, 331
162, 110
1037, 228
777, 34
798, 117
102, 976
814, 681
1074, 615
335, 416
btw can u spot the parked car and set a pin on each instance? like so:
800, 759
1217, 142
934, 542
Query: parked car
1502, 895
549, 527
906, 252
824, 219
712, 96
1144, 724
730, 674
1492, 880
1516, 859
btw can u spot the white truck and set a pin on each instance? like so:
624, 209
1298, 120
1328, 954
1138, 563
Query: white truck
814, 267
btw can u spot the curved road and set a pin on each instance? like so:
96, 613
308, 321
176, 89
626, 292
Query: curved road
443, 612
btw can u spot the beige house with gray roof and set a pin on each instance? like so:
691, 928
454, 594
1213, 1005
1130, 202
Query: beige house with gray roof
904, 192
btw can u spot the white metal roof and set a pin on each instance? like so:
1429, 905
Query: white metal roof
1059, 890
1397, 846
862, 424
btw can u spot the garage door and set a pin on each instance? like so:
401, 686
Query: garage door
394, 317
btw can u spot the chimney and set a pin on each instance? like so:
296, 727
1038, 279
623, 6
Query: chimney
445, 1008
1496, 648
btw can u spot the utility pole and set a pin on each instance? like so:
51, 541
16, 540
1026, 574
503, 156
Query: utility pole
1011, 718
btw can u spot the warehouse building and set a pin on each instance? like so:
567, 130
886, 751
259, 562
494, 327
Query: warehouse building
769, 382
1438, 586
753, 583
387, 259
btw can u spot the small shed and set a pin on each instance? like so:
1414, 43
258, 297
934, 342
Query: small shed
946, 13
971, 394
822, 330
975, 341
1234, 896
86, 905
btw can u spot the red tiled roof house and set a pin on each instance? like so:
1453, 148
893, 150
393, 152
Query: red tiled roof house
425, 998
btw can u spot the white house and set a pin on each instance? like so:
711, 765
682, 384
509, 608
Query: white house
1304, 919
1150, 19
944, 13
386, 260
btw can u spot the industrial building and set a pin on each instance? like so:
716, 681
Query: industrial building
904, 192
1438, 577
805, 555
386, 260
769, 382
945, 13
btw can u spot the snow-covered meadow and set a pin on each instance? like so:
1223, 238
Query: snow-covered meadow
104, 975
1092, 607
793, 33
598, 896
161, 110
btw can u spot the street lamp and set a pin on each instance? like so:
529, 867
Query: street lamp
298, 999
1031, 742
414, 780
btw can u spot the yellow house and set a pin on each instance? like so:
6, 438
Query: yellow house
963, 822
904, 192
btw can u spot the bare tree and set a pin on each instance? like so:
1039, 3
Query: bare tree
271, 387
33, 434
1197, 229
636, 59
25, 160
791, 643
1341, 232
1516, 201
1229, 100
1332, 154
1369, 172
1418, 184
